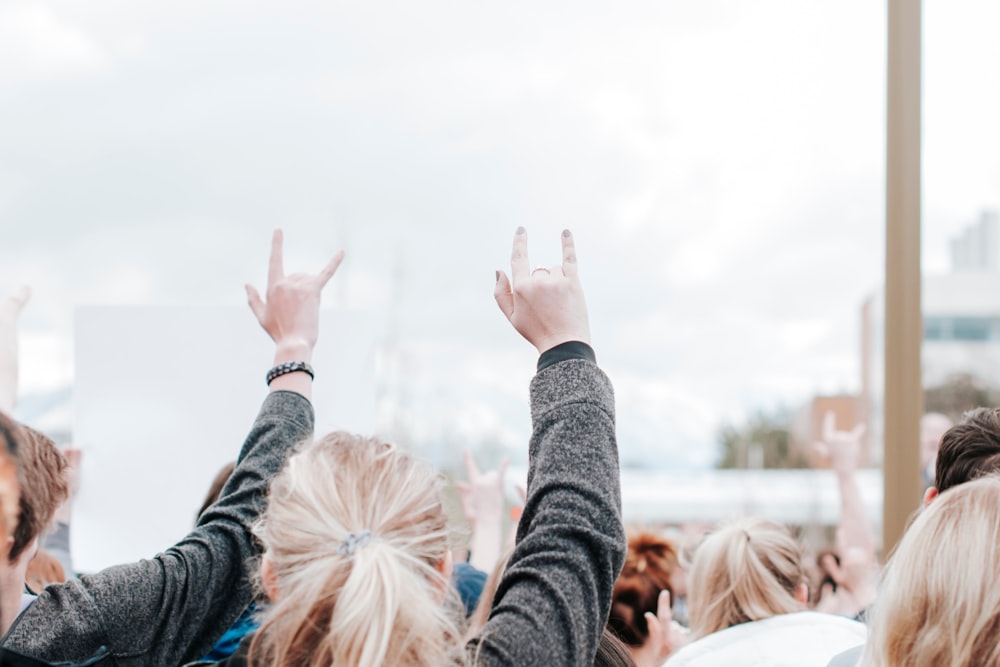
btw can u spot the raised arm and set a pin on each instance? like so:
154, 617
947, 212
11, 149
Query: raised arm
855, 535
482, 504
554, 597
171, 609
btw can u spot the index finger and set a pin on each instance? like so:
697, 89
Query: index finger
331, 268
569, 254
471, 471
276, 267
829, 426
519, 256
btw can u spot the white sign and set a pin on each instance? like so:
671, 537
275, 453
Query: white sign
164, 397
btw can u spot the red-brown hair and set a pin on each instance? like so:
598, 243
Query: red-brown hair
650, 562
44, 488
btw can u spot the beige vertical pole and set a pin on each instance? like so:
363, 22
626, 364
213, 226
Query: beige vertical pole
903, 321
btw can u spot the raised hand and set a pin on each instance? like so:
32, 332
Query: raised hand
482, 503
290, 313
483, 493
545, 305
841, 448
665, 635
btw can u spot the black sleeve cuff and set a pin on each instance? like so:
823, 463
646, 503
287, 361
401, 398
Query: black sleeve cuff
573, 349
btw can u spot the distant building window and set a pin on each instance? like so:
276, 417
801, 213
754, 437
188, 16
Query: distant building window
962, 328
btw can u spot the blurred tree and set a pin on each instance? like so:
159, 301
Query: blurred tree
762, 442
960, 393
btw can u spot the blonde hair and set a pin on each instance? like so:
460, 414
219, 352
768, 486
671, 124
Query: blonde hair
745, 571
939, 603
345, 598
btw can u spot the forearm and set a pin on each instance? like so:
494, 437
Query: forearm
485, 546
554, 597
855, 524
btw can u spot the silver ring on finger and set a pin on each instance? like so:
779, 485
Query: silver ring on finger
539, 268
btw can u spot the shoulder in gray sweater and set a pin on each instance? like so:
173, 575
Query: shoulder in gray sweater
171, 609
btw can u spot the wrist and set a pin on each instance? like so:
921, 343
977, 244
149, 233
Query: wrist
292, 350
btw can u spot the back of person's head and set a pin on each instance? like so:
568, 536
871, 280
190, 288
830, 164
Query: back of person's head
11, 439
648, 566
44, 487
355, 540
969, 450
939, 603
215, 488
612, 652
747, 570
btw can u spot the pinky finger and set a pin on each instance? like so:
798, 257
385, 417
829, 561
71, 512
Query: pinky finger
568, 254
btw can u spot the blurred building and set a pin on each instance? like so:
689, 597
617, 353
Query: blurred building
961, 323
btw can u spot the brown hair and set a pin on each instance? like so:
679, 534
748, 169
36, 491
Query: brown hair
11, 437
612, 652
43, 570
969, 450
648, 566
44, 487
215, 489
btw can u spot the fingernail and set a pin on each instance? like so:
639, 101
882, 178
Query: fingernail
566, 233
520, 230
498, 276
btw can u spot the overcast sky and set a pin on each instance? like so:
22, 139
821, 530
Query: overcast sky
720, 162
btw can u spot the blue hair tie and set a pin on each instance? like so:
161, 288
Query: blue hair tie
352, 541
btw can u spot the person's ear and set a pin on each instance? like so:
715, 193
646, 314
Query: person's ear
929, 495
268, 579
802, 593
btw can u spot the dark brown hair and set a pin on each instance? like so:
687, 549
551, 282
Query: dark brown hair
11, 437
650, 562
44, 487
215, 489
969, 450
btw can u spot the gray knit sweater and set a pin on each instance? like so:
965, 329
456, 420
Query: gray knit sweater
554, 598
172, 608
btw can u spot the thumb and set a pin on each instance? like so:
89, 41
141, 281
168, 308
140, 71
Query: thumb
256, 303
504, 295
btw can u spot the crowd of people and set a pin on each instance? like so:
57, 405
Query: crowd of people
337, 549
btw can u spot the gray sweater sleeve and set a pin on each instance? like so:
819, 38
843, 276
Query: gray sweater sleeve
170, 609
555, 595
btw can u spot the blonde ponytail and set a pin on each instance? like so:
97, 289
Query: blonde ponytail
355, 536
745, 571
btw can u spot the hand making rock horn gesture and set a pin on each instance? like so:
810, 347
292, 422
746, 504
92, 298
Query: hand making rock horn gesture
545, 305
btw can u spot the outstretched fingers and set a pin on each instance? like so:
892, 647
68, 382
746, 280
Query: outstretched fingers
256, 303
19, 298
276, 267
504, 295
330, 268
471, 469
519, 256
568, 254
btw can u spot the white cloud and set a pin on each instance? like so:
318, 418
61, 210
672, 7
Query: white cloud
36, 44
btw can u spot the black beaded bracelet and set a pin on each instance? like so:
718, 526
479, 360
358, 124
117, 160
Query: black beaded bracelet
289, 367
